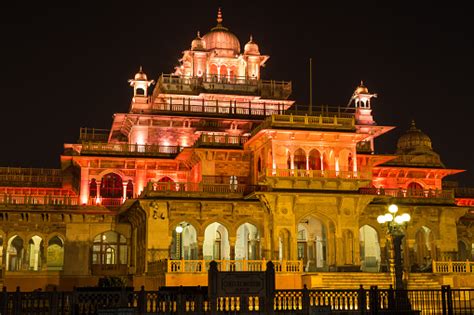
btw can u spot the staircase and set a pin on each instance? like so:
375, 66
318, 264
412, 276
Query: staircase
353, 280
417, 281
347, 280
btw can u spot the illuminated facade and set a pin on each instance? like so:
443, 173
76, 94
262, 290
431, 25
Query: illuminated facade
214, 163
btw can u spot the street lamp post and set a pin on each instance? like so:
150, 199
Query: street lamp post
179, 241
395, 225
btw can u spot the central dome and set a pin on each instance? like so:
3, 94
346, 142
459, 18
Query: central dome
414, 139
221, 38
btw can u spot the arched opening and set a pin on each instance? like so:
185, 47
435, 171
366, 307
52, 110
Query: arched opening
259, 165
167, 183
299, 160
464, 251
111, 186
232, 74
140, 91
247, 245
109, 248
55, 254
35, 254
284, 245
414, 189
424, 249
15, 253
344, 158
312, 244
216, 242
184, 243
93, 188
223, 73
369, 249
314, 160
129, 190
213, 72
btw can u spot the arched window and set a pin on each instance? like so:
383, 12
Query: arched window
247, 245
55, 254
223, 73
129, 189
109, 248
232, 74
259, 165
15, 252
216, 242
415, 189
93, 188
213, 72
111, 186
299, 160
140, 91
314, 160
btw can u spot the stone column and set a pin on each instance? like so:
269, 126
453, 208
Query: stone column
200, 247
232, 240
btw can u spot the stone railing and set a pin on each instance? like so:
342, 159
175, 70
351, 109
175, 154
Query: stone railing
8, 199
126, 149
31, 177
194, 187
453, 266
210, 140
202, 266
326, 121
408, 193
314, 174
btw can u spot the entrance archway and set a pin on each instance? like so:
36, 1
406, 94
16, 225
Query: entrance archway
216, 242
424, 250
369, 249
312, 244
247, 245
184, 244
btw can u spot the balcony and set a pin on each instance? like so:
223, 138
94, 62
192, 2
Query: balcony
169, 83
93, 135
410, 193
220, 141
328, 121
195, 187
125, 149
106, 202
33, 200
30, 177
202, 266
316, 174
217, 108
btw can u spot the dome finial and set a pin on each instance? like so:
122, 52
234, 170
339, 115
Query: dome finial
412, 125
141, 69
219, 16
361, 82
198, 34
251, 38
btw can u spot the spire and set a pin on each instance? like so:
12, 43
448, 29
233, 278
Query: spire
198, 34
251, 38
361, 83
413, 125
219, 16
141, 69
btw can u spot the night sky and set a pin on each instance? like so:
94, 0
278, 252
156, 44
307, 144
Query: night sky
67, 67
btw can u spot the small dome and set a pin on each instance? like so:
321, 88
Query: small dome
251, 48
221, 38
140, 75
361, 89
198, 43
414, 139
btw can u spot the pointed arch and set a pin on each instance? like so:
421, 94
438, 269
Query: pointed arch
369, 248
247, 245
55, 253
15, 253
184, 241
314, 162
299, 159
216, 244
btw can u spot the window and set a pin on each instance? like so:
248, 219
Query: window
129, 189
111, 186
93, 188
109, 248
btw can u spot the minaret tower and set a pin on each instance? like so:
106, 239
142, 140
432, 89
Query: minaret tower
361, 97
140, 86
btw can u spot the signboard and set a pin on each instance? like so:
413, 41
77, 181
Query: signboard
241, 283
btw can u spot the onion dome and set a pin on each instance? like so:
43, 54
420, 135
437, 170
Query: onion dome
198, 43
361, 89
414, 140
140, 75
221, 38
251, 48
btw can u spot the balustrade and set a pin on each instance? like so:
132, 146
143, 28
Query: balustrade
128, 149
314, 174
453, 266
408, 193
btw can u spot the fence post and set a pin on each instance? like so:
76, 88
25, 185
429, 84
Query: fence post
142, 300
361, 300
4, 301
391, 298
17, 302
181, 302
212, 286
54, 302
449, 295
305, 300
270, 288
374, 300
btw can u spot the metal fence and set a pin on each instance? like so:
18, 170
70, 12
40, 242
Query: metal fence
194, 300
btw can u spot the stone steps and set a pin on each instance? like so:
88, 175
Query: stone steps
353, 280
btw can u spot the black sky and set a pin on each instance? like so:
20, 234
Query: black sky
65, 67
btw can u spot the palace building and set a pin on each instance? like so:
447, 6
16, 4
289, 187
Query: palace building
213, 162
